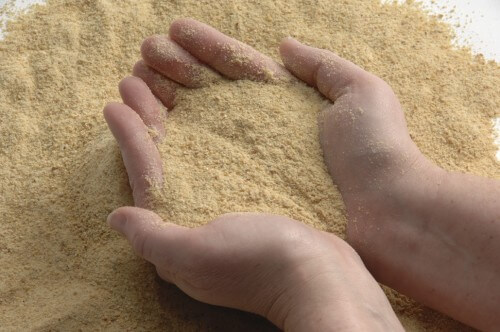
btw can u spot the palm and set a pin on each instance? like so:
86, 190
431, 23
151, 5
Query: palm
256, 262
245, 256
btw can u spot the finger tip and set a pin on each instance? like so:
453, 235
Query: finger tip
139, 68
177, 26
117, 219
114, 110
148, 42
109, 109
130, 86
142, 71
180, 23
185, 30
121, 120
126, 83
288, 45
288, 39
149, 47
163, 88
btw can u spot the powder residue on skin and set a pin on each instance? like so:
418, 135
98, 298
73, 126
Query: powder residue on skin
61, 171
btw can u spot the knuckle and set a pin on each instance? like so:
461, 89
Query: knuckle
139, 243
365, 80
198, 274
166, 274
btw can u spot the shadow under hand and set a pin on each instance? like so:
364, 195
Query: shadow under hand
183, 313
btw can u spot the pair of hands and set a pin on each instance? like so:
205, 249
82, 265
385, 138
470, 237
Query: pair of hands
297, 277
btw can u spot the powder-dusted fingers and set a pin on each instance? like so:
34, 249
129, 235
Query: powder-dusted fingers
136, 94
140, 155
168, 58
229, 56
161, 86
332, 75
363, 134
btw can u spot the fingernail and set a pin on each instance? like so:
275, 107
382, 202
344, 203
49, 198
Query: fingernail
288, 38
116, 221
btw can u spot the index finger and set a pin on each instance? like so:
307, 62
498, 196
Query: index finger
140, 155
227, 55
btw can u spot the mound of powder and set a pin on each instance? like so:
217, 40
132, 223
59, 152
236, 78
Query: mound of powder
244, 146
61, 172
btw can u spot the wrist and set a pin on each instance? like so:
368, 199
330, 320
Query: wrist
312, 295
333, 292
321, 306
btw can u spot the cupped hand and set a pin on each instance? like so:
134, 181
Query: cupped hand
416, 226
298, 277
192, 55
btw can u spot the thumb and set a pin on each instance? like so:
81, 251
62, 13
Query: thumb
150, 237
331, 74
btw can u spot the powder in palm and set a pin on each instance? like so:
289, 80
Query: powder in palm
247, 146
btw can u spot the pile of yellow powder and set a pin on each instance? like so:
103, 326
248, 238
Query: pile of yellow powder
61, 172
247, 146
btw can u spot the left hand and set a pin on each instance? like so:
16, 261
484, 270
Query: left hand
193, 55
299, 278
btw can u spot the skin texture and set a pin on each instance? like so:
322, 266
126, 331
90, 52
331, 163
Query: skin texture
270, 265
416, 226
266, 264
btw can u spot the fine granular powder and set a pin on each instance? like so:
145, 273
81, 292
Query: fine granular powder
244, 146
61, 173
